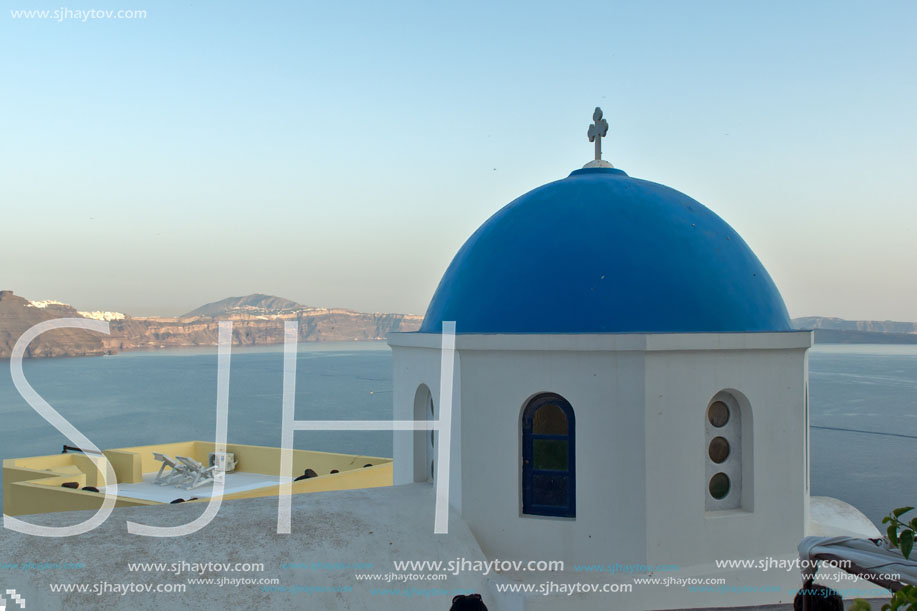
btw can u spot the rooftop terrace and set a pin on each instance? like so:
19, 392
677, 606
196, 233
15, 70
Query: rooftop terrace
36, 484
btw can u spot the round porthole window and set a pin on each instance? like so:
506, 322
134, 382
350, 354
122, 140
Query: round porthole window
718, 450
718, 414
719, 486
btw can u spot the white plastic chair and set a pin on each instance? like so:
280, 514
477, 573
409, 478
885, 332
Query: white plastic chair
198, 474
177, 471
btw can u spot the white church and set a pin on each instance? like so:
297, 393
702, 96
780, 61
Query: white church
627, 387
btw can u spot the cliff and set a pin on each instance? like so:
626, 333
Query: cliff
840, 331
256, 304
18, 315
257, 319
864, 326
315, 325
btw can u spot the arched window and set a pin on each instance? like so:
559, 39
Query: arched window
549, 457
727, 424
424, 441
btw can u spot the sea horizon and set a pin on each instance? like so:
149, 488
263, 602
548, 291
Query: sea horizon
165, 395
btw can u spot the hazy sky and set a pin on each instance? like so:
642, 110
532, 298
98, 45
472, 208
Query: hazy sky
339, 153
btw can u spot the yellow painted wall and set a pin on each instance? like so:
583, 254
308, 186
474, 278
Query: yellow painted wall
93, 467
254, 459
127, 466
34, 497
41, 462
32, 485
27, 491
56, 480
266, 460
13, 474
148, 464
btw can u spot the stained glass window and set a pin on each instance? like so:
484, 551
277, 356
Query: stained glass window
548, 457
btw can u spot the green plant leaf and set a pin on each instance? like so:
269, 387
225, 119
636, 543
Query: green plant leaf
907, 543
901, 510
892, 533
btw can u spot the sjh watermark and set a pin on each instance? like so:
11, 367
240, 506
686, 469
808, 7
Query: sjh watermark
769, 563
13, 596
81, 15
289, 426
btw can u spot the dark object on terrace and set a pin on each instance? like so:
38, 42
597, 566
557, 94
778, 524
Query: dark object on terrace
335, 471
90, 489
369, 464
176, 501
468, 602
76, 449
816, 597
308, 473
74, 485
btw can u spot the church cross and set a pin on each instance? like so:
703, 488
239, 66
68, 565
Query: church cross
597, 131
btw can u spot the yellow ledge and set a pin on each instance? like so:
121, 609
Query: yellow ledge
34, 484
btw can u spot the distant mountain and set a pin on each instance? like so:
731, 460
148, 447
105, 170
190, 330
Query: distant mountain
839, 324
840, 331
255, 304
256, 319
259, 319
17, 315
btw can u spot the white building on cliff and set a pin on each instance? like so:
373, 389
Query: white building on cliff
628, 387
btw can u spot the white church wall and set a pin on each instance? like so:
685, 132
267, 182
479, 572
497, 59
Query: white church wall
605, 391
771, 517
414, 367
640, 404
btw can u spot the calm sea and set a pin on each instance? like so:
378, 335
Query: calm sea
863, 404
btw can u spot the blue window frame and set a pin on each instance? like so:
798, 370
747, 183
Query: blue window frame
549, 457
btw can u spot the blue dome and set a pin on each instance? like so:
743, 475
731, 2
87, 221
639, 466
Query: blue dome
601, 252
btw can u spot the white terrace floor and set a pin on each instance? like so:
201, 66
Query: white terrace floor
235, 482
